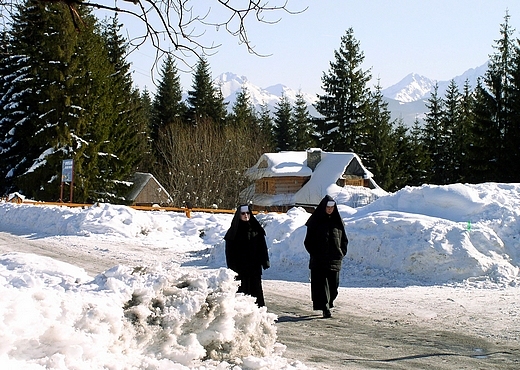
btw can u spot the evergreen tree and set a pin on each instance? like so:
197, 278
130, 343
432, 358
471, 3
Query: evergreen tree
449, 151
462, 133
302, 123
12, 70
128, 134
484, 138
283, 130
512, 137
266, 124
344, 103
379, 149
243, 112
46, 82
205, 100
415, 159
499, 79
402, 164
146, 113
168, 106
66, 96
433, 137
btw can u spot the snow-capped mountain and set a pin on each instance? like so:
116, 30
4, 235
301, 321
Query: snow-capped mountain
411, 88
416, 87
231, 84
406, 99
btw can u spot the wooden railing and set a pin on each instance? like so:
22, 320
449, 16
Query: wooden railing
187, 211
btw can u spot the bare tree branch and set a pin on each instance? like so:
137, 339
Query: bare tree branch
179, 27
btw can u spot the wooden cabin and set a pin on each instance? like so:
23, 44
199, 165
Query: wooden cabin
302, 178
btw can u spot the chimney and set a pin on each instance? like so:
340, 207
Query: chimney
313, 158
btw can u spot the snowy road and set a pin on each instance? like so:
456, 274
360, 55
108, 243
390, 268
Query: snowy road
371, 328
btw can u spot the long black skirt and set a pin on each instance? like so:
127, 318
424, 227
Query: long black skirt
252, 285
324, 288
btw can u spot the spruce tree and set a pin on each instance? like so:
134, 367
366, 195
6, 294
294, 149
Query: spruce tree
498, 80
266, 124
45, 83
243, 113
462, 133
346, 93
416, 158
484, 138
283, 130
379, 149
433, 137
512, 139
205, 100
12, 71
128, 134
304, 132
168, 106
70, 106
402, 162
449, 151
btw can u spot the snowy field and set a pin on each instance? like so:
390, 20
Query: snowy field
172, 303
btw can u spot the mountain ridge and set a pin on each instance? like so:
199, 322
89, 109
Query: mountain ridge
406, 99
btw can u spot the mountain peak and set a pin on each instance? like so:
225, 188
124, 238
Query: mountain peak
411, 88
415, 87
231, 84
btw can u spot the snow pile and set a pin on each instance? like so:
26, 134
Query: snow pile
176, 307
55, 317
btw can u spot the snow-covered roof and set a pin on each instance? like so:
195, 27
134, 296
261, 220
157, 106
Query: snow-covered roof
289, 163
322, 180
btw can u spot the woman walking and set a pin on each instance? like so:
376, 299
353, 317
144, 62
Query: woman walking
326, 242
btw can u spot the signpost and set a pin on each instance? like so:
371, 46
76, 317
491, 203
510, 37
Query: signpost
67, 176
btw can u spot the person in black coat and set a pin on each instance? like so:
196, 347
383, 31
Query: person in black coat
326, 242
246, 252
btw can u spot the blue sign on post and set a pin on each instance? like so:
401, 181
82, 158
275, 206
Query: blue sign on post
67, 167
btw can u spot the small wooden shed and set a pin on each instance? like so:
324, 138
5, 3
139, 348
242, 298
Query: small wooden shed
147, 191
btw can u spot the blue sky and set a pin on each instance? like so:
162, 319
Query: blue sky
439, 39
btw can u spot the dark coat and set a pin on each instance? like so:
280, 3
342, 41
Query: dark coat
246, 248
326, 239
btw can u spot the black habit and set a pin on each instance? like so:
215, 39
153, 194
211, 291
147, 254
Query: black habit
326, 241
246, 254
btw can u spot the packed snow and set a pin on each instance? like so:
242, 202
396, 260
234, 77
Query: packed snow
175, 305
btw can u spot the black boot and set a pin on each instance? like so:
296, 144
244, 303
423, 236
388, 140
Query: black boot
326, 313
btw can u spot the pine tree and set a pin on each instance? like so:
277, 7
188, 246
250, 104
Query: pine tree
205, 100
266, 124
302, 123
346, 94
128, 134
243, 113
12, 70
379, 149
433, 137
462, 134
45, 60
512, 137
402, 164
450, 154
484, 138
145, 112
498, 79
283, 130
70, 105
414, 157
168, 106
